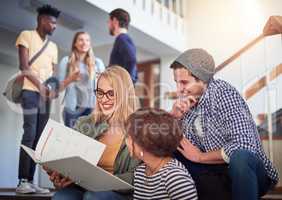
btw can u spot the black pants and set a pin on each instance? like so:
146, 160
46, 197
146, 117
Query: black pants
212, 181
35, 116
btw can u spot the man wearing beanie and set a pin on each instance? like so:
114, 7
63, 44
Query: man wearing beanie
221, 137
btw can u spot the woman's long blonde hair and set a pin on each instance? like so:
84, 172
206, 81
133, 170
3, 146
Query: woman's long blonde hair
126, 101
89, 60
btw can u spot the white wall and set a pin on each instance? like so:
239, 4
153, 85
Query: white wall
167, 83
10, 121
224, 26
11, 130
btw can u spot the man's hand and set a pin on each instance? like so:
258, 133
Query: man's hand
44, 92
189, 151
182, 105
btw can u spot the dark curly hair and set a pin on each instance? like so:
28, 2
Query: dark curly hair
48, 10
155, 130
122, 16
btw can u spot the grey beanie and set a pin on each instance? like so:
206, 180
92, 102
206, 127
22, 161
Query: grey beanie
199, 62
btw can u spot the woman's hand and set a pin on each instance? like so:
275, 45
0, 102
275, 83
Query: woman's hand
57, 179
60, 181
74, 76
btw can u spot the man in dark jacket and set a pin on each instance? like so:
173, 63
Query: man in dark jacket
124, 50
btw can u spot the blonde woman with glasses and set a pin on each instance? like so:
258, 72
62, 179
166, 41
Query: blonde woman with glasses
116, 100
79, 97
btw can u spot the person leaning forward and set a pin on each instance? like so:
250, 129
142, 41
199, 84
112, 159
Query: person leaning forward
221, 146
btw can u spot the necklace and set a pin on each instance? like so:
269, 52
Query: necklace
152, 171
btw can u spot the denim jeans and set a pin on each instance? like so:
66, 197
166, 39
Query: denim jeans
70, 117
249, 177
35, 116
75, 192
245, 177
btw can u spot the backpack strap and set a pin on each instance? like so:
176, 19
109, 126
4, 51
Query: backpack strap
39, 52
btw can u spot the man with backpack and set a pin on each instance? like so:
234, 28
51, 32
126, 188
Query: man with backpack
37, 57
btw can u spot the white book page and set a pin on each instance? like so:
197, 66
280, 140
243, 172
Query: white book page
86, 175
58, 141
31, 153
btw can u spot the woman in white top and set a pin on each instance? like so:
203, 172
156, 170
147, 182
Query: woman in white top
153, 136
79, 98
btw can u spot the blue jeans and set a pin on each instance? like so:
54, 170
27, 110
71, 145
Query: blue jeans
75, 192
70, 117
245, 178
35, 116
248, 175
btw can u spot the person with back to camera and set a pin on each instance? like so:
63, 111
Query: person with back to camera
124, 50
153, 135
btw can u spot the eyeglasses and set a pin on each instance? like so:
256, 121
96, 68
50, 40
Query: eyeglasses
100, 94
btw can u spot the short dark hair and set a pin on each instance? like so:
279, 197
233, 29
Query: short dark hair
122, 16
154, 130
177, 65
48, 10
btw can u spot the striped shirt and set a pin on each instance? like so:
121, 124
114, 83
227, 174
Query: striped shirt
172, 181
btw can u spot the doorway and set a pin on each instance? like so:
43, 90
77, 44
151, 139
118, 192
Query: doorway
148, 87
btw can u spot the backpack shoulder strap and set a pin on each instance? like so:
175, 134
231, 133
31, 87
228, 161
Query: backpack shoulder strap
39, 52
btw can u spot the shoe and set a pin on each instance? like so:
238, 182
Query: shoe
24, 187
39, 190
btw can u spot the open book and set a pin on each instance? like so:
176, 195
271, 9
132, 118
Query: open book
74, 155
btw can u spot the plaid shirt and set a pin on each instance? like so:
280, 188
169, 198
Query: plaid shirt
226, 124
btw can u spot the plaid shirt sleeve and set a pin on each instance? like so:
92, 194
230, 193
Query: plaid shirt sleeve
238, 124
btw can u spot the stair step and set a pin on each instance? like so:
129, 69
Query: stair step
272, 197
10, 194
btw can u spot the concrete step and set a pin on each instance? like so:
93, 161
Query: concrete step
10, 194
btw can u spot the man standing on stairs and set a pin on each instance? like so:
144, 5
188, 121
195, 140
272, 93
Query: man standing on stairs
124, 50
35, 96
221, 138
